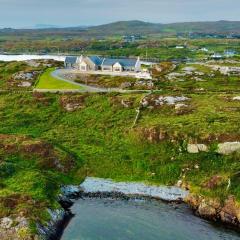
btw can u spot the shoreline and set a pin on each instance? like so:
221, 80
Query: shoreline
116, 191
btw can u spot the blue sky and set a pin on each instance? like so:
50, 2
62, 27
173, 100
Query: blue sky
27, 13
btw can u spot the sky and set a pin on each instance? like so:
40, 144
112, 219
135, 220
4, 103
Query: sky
28, 13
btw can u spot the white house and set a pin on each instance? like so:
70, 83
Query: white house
95, 63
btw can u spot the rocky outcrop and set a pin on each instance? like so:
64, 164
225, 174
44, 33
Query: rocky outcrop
196, 148
58, 217
230, 213
153, 134
27, 76
157, 101
237, 98
18, 228
207, 211
15, 228
212, 209
127, 103
25, 84
228, 147
49, 155
126, 85
72, 103
52, 229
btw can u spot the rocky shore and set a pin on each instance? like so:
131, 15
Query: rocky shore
97, 187
227, 213
212, 209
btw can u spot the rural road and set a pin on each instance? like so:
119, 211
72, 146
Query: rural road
86, 88
59, 75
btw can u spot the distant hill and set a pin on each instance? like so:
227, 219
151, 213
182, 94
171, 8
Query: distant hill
127, 27
45, 26
133, 27
139, 27
217, 27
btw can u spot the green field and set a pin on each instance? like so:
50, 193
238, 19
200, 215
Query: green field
47, 81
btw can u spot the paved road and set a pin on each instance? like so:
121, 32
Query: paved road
59, 75
86, 88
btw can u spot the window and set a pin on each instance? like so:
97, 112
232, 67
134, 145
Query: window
107, 69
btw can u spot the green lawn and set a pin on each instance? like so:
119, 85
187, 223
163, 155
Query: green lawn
47, 81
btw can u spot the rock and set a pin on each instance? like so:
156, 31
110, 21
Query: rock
169, 100
125, 85
207, 211
206, 208
196, 166
27, 76
179, 183
228, 148
154, 134
194, 201
179, 106
199, 89
6, 223
236, 98
70, 107
50, 230
189, 69
183, 109
230, 213
15, 228
196, 148
144, 83
72, 103
70, 191
144, 103
158, 101
126, 103
25, 84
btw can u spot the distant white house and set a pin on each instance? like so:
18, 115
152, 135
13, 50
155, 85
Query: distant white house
95, 63
217, 56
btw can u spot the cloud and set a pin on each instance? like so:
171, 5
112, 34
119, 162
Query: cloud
23, 13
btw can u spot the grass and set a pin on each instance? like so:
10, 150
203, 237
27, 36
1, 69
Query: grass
100, 138
47, 81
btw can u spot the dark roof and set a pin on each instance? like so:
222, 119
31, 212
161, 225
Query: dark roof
71, 60
97, 60
122, 61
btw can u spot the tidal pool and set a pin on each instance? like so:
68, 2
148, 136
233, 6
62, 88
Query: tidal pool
108, 219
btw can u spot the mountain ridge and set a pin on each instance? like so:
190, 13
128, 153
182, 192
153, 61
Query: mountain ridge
143, 28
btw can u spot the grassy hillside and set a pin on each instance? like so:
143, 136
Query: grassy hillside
100, 137
207, 27
52, 139
126, 27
